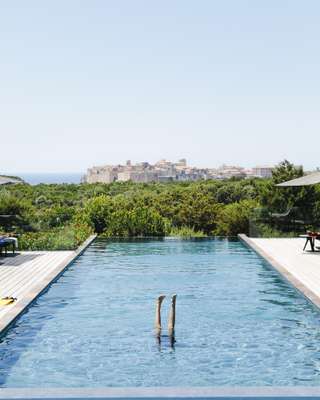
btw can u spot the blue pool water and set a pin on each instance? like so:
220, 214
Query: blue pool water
238, 322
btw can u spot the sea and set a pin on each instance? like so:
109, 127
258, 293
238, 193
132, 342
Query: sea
50, 178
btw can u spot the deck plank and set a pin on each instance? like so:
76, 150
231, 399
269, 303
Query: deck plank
27, 274
20, 275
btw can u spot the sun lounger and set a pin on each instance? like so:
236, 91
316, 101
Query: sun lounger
310, 237
7, 243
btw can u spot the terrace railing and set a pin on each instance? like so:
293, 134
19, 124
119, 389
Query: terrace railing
292, 222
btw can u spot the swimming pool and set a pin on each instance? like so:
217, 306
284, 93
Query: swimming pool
238, 322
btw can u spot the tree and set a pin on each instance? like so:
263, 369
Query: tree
301, 200
286, 171
14, 213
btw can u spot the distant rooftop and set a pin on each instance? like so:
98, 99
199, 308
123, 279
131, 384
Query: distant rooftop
264, 166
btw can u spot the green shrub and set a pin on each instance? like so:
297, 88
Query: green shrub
123, 216
15, 213
191, 207
56, 216
97, 213
234, 218
186, 233
138, 222
66, 238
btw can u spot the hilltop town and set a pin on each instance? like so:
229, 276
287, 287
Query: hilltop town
167, 171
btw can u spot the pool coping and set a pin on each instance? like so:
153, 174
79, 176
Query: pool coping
21, 306
303, 289
163, 392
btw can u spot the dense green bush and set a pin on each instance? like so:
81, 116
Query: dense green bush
15, 214
185, 232
193, 207
97, 213
120, 216
66, 238
234, 218
56, 216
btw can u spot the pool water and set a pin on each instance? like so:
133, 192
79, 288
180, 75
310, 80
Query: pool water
238, 322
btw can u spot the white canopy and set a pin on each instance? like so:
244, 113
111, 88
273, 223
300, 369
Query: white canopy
311, 179
6, 180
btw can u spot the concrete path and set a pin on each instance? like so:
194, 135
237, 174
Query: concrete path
300, 268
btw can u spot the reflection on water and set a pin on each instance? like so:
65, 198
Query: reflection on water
165, 341
237, 322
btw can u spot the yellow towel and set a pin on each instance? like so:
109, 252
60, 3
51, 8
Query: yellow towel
6, 301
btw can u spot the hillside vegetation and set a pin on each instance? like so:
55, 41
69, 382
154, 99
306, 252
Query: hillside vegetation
62, 216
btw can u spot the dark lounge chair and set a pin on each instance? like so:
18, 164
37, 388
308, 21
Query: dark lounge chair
7, 243
282, 215
311, 237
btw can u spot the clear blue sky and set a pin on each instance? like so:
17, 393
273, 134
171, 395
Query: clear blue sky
95, 82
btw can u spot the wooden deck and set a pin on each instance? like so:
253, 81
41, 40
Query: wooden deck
301, 269
27, 274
